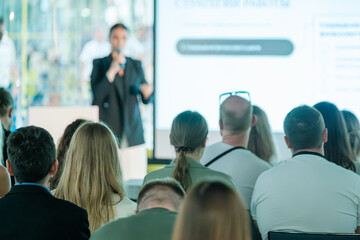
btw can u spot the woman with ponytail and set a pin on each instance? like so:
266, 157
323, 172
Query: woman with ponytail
188, 135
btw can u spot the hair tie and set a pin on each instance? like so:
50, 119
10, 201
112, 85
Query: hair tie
183, 148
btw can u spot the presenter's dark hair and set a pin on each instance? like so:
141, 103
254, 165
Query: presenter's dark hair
62, 148
337, 148
1, 21
31, 152
353, 128
304, 127
117, 25
188, 132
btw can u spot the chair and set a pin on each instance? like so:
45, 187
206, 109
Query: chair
311, 236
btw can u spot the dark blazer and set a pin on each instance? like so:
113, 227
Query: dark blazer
118, 101
31, 212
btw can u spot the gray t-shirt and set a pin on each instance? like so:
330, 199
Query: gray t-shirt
242, 165
307, 193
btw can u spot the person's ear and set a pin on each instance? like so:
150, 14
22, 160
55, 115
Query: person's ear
254, 120
204, 143
11, 112
221, 124
287, 142
54, 167
9, 168
325, 135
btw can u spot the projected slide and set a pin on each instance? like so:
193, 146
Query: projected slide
284, 52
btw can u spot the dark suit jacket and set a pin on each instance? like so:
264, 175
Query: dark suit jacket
118, 101
31, 212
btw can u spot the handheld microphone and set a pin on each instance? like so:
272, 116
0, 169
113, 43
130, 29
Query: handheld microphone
122, 65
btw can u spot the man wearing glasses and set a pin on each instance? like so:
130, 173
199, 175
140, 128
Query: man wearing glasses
230, 156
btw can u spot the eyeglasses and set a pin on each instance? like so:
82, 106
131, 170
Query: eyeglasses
243, 94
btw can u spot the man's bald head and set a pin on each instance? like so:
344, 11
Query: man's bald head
236, 114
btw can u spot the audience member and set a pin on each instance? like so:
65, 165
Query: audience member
188, 135
92, 175
62, 148
5, 182
158, 203
231, 156
29, 211
353, 128
306, 193
261, 141
212, 211
337, 148
6, 116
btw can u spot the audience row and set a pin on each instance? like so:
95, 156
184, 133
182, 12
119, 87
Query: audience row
222, 185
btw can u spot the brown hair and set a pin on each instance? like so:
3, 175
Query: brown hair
92, 173
212, 211
261, 141
188, 132
337, 149
353, 128
62, 148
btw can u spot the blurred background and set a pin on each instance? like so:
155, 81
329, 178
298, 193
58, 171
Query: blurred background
52, 41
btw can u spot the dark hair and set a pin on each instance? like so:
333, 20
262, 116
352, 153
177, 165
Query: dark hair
62, 148
117, 25
1, 21
337, 148
31, 152
188, 132
304, 127
261, 141
213, 211
353, 129
6, 101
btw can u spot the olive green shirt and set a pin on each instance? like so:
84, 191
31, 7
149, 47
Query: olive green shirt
149, 224
197, 172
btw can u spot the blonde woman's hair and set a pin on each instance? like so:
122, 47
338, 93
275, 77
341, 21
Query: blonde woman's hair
92, 173
212, 211
188, 132
261, 141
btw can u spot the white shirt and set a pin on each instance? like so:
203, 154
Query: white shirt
307, 193
242, 165
7, 62
93, 50
125, 207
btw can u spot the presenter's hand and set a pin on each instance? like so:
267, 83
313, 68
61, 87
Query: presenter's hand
115, 66
146, 91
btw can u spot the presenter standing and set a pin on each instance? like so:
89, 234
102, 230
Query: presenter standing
117, 83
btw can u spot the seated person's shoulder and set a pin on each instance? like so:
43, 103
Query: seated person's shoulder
109, 230
65, 206
219, 176
160, 173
